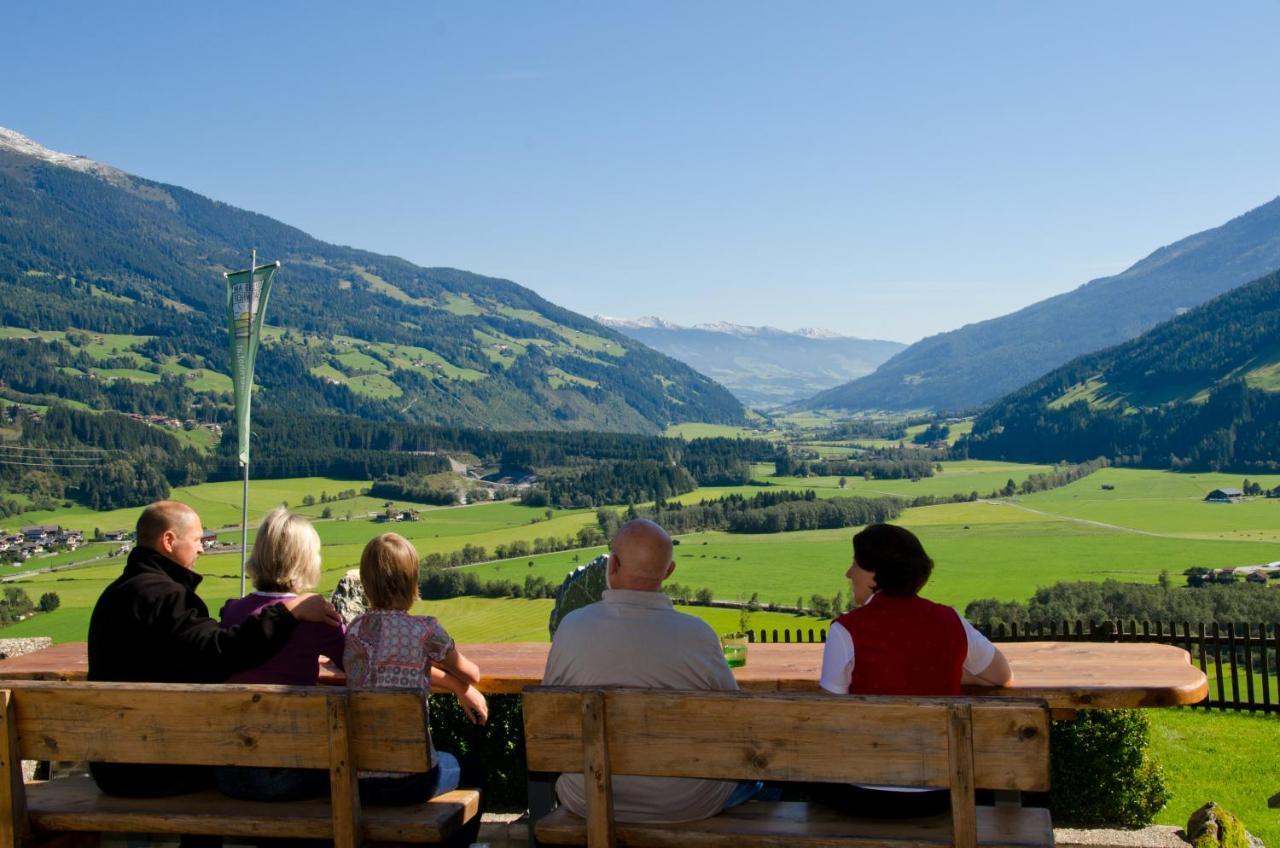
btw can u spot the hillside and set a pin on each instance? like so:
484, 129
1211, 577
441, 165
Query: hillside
1200, 391
762, 366
981, 362
117, 282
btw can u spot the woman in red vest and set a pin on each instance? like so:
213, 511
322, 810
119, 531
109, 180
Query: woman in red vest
895, 642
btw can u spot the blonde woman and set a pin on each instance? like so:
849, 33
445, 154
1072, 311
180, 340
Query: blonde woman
285, 562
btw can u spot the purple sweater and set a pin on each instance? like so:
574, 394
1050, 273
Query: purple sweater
298, 662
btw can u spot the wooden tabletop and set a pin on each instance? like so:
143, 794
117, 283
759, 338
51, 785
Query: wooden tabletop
1068, 675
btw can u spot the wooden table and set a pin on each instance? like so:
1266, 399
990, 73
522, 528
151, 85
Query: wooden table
1068, 675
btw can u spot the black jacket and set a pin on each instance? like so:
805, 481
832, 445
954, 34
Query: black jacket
150, 626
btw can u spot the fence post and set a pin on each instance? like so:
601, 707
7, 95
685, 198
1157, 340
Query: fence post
1217, 664
1248, 666
1266, 667
1235, 677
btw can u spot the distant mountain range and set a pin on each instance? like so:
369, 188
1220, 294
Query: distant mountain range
762, 366
1200, 391
113, 298
981, 362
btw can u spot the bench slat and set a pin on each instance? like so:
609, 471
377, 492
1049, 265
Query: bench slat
75, 804
791, 737
280, 726
796, 825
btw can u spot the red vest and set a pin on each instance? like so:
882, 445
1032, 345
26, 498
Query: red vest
905, 646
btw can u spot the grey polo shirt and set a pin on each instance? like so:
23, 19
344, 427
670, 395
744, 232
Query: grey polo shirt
634, 638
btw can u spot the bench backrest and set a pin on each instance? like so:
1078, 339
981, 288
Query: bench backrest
958, 743
189, 724
245, 725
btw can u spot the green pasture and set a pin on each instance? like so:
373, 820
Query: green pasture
1224, 757
981, 549
956, 478
525, 620
1167, 503
217, 503
697, 430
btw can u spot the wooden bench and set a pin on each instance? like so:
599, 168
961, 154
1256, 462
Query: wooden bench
271, 726
959, 743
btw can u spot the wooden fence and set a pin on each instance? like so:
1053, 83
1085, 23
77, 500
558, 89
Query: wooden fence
1240, 660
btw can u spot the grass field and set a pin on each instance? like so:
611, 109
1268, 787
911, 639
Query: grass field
1147, 523
1224, 757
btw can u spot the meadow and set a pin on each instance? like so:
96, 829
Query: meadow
1148, 522
1220, 757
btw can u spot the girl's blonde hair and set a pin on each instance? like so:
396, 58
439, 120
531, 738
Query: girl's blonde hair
286, 553
389, 572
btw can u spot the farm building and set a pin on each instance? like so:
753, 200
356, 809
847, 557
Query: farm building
1224, 496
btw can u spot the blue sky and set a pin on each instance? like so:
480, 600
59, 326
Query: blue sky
893, 170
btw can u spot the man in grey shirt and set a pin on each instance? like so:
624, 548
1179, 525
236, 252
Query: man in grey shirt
634, 637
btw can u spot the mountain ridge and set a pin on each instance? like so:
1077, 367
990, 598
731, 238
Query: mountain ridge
87, 247
980, 362
1201, 390
762, 366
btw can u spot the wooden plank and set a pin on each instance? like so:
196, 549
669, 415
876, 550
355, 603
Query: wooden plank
597, 779
75, 804
964, 823
13, 797
788, 737
797, 825
344, 795
1069, 675
187, 724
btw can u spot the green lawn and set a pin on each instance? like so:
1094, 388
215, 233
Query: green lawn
522, 620
1166, 503
1225, 757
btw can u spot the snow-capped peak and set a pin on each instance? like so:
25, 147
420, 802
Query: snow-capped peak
648, 322
818, 333
19, 143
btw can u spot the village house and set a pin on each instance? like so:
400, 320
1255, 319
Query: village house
1224, 496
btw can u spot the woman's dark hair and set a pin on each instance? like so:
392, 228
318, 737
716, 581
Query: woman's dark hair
895, 556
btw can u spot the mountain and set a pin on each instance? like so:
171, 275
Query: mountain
762, 366
981, 362
1201, 391
120, 279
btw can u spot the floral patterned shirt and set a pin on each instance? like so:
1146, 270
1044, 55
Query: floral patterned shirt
391, 649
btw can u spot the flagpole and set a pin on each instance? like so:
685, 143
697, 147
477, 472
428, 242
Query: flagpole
244, 503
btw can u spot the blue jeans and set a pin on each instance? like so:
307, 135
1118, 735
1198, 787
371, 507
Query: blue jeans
272, 784
412, 788
747, 789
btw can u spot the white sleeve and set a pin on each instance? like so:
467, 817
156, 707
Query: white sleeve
981, 651
837, 660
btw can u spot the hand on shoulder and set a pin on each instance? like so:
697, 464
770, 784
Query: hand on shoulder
313, 607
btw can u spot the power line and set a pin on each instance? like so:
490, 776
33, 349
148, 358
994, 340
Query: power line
33, 449
48, 464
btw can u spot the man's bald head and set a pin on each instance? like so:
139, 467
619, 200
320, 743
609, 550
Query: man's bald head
640, 558
161, 516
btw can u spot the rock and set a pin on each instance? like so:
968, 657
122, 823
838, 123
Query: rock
1274, 801
1212, 826
348, 597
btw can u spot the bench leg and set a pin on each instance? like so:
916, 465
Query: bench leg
542, 799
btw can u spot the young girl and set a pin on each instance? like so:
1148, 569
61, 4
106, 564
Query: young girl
387, 648
895, 642
284, 562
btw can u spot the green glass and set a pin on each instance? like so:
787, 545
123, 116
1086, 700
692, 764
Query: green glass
735, 650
